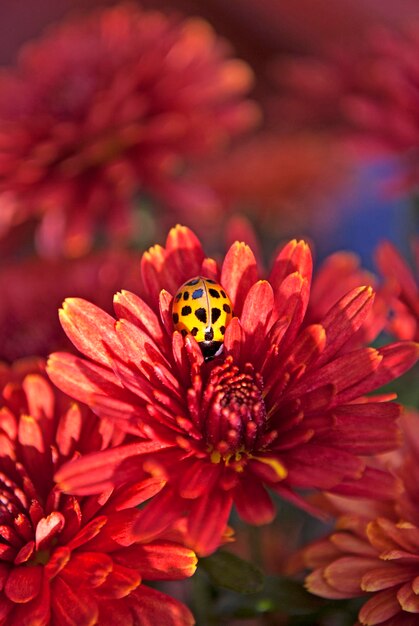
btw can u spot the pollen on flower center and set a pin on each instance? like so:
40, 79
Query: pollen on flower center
235, 412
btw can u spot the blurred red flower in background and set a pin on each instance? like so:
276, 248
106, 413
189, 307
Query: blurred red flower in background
283, 181
73, 560
109, 105
402, 289
374, 550
367, 91
35, 289
282, 407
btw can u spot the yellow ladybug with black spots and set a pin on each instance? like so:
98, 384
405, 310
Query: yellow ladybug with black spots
202, 308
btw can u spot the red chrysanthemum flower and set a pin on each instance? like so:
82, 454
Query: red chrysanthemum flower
374, 550
281, 408
73, 560
35, 288
109, 105
402, 289
369, 89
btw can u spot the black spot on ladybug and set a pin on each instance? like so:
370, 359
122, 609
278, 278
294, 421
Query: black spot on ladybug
184, 332
178, 297
215, 314
175, 318
198, 293
209, 280
222, 329
209, 335
201, 314
186, 310
214, 293
223, 293
194, 331
226, 308
186, 295
192, 282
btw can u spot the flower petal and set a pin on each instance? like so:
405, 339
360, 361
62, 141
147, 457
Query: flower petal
24, 583
89, 327
238, 274
208, 520
345, 574
151, 607
344, 319
381, 606
132, 308
252, 502
294, 257
72, 606
158, 560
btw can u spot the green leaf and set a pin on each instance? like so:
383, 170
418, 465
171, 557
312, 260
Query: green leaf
229, 571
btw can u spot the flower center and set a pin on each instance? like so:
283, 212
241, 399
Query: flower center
235, 412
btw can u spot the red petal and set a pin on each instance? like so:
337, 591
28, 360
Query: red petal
408, 599
294, 257
233, 339
207, 521
151, 607
93, 472
129, 306
198, 478
184, 254
344, 319
238, 274
24, 583
380, 607
88, 532
374, 483
47, 528
89, 569
88, 327
72, 606
37, 611
344, 373
158, 560
252, 502
120, 582
388, 575
39, 396
317, 584
165, 308
115, 613
256, 318
81, 379
291, 300
396, 359
321, 467
160, 513
57, 561
345, 574
134, 495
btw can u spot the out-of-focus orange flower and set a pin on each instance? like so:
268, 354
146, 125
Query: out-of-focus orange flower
108, 106
34, 290
374, 551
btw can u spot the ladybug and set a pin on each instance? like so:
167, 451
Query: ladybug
202, 308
